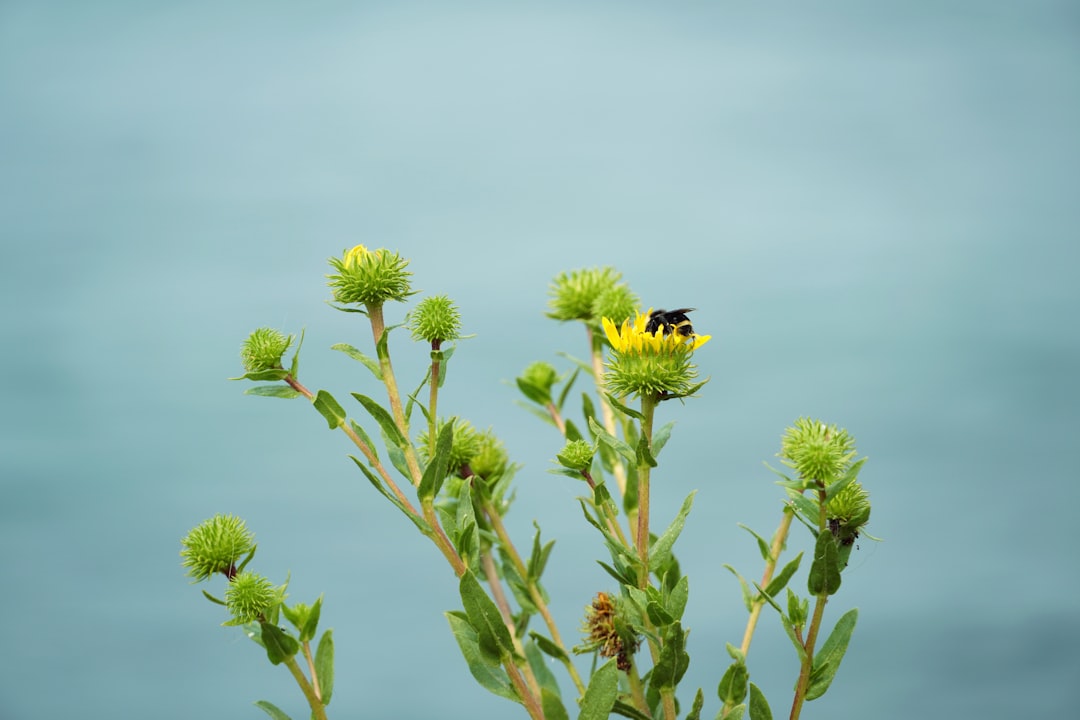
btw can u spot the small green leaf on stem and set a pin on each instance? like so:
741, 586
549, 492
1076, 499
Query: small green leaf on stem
763, 546
825, 571
759, 706
673, 660
695, 710
781, 580
629, 412
272, 710
279, 391
324, 665
381, 416
329, 408
370, 363
436, 469
732, 688
660, 552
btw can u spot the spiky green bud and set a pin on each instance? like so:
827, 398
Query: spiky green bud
817, 451
263, 349
369, 277
574, 294
537, 380
491, 458
576, 455
250, 597
435, 318
215, 545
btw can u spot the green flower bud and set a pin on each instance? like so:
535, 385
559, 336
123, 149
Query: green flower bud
537, 380
618, 303
576, 455
215, 545
369, 277
435, 319
263, 349
250, 597
848, 512
574, 294
818, 451
650, 364
465, 447
491, 459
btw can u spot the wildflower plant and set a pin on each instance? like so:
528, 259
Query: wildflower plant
454, 484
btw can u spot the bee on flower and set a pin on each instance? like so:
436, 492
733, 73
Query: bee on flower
651, 354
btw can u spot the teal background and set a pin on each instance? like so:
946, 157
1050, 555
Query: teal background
872, 205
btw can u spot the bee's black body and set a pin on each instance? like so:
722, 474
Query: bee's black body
672, 321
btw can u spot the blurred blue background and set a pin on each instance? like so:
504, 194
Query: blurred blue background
873, 207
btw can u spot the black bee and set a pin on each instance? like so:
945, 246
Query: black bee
673, 321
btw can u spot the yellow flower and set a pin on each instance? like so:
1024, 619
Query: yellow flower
632, 337
652, 364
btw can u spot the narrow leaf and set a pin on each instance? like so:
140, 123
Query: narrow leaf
370, 363
381, 416
548, 647
279, 391
436, 469
695, 710
777, 583
492, 636
763, 546
660, 552
324, 666
272, 710
612, 442
828, 657
623, 409
491, 678
417, 519
552, 705
747, 596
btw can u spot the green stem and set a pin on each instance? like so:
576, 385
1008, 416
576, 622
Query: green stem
648, 409
535, 594
597, 357
433, 396
318, 710
815, 623
378, 327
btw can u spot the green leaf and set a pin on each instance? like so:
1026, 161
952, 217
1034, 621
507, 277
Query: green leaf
850, 476
732, 688
278, 643
381, 416
676, 600
825, 571
370, 363
548, 647
492, 636
600, 695
491, 678
673, 660
759, 706
628, 711
552, 705
747, 596
329, 408
695, 710
660, 552
279, 391
828, 657
533, 392
734, 713
272, 710
660, 437
644, 453
622, 408
356, 428
658, 615
436, 470
763, 547
539, 556
539, 665
777, 583
324, 665
608, 440
270, 375
566, 392
417, 519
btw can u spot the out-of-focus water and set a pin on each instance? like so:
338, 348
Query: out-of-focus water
873, 209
